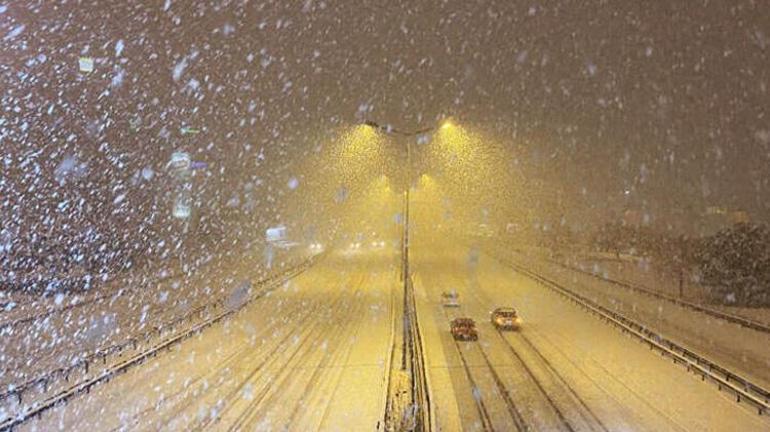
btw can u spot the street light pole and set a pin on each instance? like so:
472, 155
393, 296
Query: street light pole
410, 338
393, 131
406, 208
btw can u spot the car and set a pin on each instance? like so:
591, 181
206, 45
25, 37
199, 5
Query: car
449, 294
464, 329
450, 299
451, 303
505, 318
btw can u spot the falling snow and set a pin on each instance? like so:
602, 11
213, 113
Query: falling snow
259, 206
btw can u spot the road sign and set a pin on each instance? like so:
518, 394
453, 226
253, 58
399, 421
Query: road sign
182, 206
180, 161
86, 64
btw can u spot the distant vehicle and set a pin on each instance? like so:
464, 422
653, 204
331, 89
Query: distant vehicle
505, 318
464, 329
450, 299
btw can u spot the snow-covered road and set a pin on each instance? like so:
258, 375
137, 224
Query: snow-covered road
742, 350
313, 355
565, 370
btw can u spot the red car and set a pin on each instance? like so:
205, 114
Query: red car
464, 329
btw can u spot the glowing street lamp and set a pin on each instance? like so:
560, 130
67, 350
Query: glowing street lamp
393, 131
388, 129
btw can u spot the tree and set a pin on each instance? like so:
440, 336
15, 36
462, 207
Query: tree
735, 264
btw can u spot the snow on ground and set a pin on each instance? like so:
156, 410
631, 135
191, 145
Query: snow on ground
644, 273
742, 350
310, 356
621, 383
73, 325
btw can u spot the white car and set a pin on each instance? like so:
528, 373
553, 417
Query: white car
505, 318
450, 299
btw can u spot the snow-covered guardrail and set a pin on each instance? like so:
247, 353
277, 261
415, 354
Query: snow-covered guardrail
742, 388
420, 386
10, 324
388, 378
735, 319
94, 368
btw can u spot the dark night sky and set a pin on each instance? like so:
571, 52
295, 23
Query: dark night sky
666, 99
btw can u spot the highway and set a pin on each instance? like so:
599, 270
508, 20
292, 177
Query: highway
243, 216
564, 370
743, 350
315, 353
61, 332
311, 355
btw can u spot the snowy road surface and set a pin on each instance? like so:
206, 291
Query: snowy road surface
313, 354
82, 323
309, 356
565, 370
742, 350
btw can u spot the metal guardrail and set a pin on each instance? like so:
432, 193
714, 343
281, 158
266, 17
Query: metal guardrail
13, 323
742, 388
420, 391
735, 319
387, 402
42, 383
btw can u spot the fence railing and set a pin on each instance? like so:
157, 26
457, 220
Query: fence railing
741, 387
420, 389
57, 386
